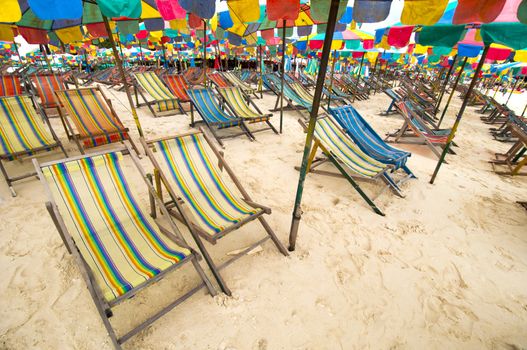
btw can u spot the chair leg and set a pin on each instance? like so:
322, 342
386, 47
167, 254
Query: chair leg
7, 179
271, 234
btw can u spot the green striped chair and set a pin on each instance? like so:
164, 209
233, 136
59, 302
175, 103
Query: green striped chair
23, 132
209, 204
351, 162
118, 246
165, 102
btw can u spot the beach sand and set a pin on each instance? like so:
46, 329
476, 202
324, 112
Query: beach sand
446, 268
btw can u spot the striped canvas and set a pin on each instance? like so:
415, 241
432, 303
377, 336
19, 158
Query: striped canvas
122, 245
151, 83
209, 109
92, 117
10, 85
299, 89
21, 128
344, 150
193, 173
236, 81
177, 85
288, 91
46, 84
235, 97
218, 80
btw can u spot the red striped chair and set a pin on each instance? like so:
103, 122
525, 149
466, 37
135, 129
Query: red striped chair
10, 85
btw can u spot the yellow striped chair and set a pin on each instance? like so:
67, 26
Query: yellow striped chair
165, 102
210, 204
119, 247
23, 132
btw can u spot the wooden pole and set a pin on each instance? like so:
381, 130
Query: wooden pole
331, 77
453, 91
297, 210
460, 114
205, 51
361, 63
282, 78
123, 76
445, 84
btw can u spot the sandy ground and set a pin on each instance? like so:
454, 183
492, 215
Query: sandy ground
445, 268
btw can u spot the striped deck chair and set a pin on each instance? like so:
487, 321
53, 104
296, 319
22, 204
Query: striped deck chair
368, 140
241, 105
10, 85
198, 76
348, 158
291, 98
218, 80
178, 85
92, 114
236, 81
414, 127
118, 246
23, 133
164, 100
213, 115
45, 86
210, 204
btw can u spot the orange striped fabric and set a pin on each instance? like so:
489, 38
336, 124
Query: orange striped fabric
10, 85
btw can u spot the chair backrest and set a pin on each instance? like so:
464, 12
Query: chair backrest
21, 128
92, 116
192, 170
341, 146
208, 107
46, 84
235, 80
10, 85
119, 242
154, 86
178, 85
236, 100
219, 80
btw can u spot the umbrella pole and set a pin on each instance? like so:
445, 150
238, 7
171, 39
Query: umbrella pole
331, 77
282, 78
512, 91
164, 54
260, 81
141, 52
447, 78
123, 76
524, 109
460, 113
297, 211
453, 91
205, 51
219, 53
361, 63
17, 52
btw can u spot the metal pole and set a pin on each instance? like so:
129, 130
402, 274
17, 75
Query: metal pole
446, 83
282, 78
260, 80
123, 76
331, 77
297, 210
205, 51
513, 87
460, 114
453, 91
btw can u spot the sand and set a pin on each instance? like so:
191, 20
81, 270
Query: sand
445, 268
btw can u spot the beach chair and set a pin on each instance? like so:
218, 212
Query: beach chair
218, 80
396, 97
240, 104
93, 116
352, 163
210, 204
45, 85
178, 85
292, 100
236, 81
164, 100
368, 140
23, 133
414, 131
10, 85
204, 101
512, 162
119, 248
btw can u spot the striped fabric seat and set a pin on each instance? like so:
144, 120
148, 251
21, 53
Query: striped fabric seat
236, 81
366, 138
345, 150
234, 96
46, 84
10, 85
177, 85
193, 173
289, 93
151, 83
209, 108
122, 245
92, 116
303, 93
218, 80
417, 125
21, 128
